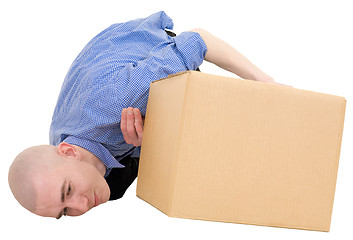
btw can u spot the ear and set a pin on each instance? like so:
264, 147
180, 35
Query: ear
66, 149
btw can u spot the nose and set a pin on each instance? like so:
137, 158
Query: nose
77, 205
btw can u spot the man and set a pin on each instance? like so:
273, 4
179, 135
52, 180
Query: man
97, 126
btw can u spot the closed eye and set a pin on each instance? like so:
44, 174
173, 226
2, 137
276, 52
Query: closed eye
63, 197
67, 194
68, 190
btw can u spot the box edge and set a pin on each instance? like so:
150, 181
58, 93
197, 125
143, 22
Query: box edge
181, 124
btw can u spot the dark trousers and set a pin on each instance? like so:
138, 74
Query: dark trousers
120, 179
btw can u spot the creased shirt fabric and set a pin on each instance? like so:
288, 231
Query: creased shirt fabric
112, 72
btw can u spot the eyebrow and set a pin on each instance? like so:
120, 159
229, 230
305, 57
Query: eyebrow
62, 199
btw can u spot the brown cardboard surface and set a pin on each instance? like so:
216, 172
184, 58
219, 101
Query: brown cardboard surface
225, 149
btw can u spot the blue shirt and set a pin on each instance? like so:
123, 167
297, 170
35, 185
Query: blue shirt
114, 71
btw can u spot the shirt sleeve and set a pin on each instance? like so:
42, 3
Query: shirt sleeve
181, 53
192, 49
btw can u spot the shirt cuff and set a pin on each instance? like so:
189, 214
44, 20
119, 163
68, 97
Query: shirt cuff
192, 49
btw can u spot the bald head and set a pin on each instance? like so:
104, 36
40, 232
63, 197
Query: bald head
52, 181
26, 168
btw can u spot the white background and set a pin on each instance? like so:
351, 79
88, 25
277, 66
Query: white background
303, 43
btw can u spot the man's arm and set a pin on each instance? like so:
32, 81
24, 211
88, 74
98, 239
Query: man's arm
219, 53
228, 58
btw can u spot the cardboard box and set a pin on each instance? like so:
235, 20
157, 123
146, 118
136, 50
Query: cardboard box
225, 149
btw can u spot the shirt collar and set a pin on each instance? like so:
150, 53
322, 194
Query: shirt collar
98, 150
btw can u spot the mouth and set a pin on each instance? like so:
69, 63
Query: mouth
96, 200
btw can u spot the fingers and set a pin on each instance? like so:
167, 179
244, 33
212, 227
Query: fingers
138, 125
132, 126
123, 126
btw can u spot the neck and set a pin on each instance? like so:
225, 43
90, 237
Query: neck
90, 158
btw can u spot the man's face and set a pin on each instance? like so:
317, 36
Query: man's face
71, 188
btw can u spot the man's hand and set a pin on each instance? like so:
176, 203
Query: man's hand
132, 126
